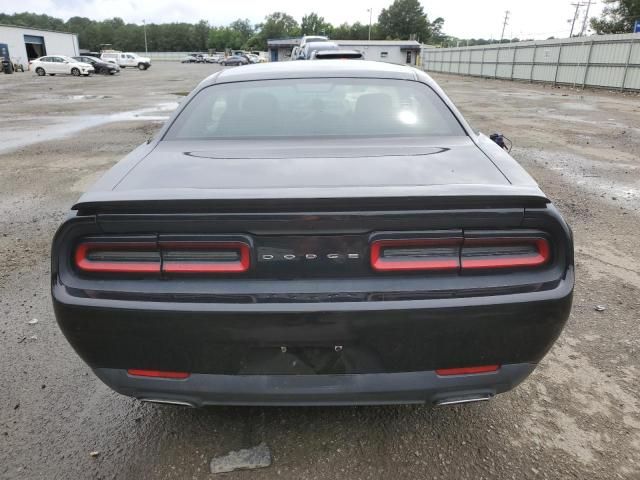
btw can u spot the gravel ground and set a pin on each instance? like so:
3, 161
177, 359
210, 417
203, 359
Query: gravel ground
577, 416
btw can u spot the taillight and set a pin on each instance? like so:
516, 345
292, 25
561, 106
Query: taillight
475, 251
481, 253
150, 257
118, 257
205, 257
444, 372
158, 374
415, 254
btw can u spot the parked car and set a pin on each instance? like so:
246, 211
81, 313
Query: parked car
262, 56
312, 38
98, 65
60, 64
200, 57
336, 55
189, 59
307, 50
253, 58
361, 244
234, 61
213, 58
126, 59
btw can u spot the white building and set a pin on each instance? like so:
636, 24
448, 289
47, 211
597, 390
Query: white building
403, 52
22, 44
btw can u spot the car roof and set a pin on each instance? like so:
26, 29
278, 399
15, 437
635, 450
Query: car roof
308, 69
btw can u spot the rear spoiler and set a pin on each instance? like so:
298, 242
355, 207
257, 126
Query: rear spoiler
310, 199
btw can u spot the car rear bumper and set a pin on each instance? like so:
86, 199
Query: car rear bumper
361, 389
342, 352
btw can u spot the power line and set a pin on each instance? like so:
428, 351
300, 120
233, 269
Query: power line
504, 24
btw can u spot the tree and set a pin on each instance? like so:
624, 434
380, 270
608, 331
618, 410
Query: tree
276, 25
312, 24
618, 16
404, 19
279, 25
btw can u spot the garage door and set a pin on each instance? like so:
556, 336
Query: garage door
35, 47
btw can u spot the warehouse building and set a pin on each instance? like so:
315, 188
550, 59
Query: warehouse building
402, 52
22, 44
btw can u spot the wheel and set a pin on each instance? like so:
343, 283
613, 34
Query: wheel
75, 72
112, 72
224, 64
142, 66
40, 72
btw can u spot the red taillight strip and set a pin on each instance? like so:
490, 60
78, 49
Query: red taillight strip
239, 266
86, 265
158, 374
542, 257
444, 372
381, 264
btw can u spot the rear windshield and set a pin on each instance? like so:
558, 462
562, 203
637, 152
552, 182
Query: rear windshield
342, 107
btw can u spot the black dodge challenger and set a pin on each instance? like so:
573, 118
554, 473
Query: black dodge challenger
306, 233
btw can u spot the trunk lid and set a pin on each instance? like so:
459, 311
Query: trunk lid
410, 172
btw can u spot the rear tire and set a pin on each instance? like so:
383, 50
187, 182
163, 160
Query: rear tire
75, 72
40, 72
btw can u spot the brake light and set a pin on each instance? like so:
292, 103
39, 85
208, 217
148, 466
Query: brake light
150, 257
444, 372
479, 253
416, 254
158, 374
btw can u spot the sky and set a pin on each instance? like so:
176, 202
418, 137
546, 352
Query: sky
463, 18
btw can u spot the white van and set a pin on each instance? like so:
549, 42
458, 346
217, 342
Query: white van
126, 59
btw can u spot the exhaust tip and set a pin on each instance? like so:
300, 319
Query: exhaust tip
167, 402
458, 400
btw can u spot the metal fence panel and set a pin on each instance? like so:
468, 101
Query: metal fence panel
609, 61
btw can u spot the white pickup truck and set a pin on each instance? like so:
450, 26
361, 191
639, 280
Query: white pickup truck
126, 59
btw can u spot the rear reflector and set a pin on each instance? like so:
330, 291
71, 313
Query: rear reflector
479, 253
415, 254
158, 374
443, 372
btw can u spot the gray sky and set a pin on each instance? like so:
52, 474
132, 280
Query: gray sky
463, 18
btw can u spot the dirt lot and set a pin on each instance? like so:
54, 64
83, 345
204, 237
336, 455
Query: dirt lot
577, 416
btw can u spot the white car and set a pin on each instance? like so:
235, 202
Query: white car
126, 59
60, 64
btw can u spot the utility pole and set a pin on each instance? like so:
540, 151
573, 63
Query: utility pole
505, 23
370, 10
144, 27
575, 16
586, 17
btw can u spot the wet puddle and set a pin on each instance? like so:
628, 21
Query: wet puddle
597, 177
65, 126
